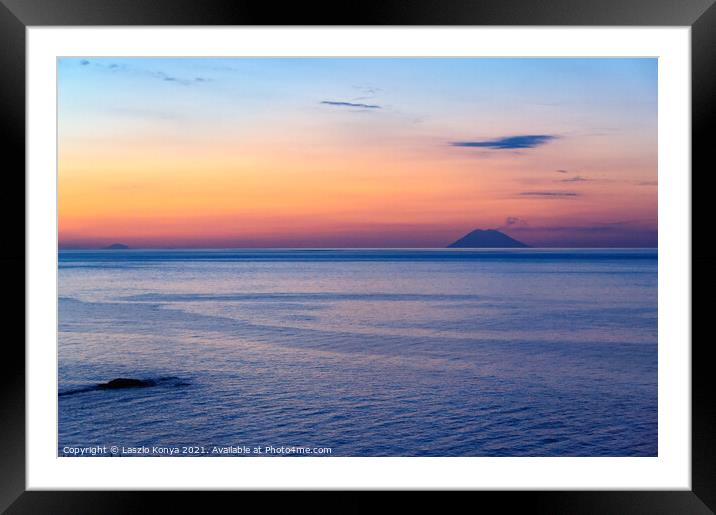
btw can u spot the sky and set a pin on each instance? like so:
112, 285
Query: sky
356, 152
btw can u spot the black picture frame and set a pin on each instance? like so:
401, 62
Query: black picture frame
16, 15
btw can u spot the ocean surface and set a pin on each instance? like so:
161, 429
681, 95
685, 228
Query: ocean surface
449, 352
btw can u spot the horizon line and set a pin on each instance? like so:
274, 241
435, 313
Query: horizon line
60, 248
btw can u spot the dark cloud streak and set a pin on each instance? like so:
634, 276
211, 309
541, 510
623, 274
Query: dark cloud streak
350, 104
549, 194
508, 142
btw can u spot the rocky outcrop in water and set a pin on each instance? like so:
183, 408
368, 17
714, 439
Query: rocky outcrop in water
123, 382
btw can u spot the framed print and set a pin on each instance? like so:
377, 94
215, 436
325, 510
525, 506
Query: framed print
422, 248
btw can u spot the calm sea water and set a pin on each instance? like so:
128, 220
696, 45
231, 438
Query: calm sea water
366, 352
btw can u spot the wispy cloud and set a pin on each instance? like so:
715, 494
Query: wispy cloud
647, 183
549, 194
367, 92
508, 142
561, 171
350, 104
618, 222
512, 222
576, 178
596, 227
156, 74
625, 233
184, 81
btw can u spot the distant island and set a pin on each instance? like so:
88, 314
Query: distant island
116, 246
485, 239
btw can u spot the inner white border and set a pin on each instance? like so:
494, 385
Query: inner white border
672, 467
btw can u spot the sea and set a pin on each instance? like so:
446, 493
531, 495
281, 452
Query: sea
358, 352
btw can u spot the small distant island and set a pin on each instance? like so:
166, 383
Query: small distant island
116, 246
485, 239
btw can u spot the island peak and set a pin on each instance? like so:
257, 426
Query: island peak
487, 238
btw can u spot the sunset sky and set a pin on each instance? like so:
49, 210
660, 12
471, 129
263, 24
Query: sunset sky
356, 152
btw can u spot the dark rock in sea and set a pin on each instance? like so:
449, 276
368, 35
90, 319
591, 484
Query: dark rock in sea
123, 382
486, 239
116, 246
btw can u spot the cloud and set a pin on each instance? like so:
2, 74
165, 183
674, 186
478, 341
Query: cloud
156, 74
179, 80
619, 222
367, 92
561, 171
350, 104
596, 227
549, 194
508, 142
513, 222
647, 183
576, 178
